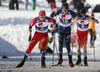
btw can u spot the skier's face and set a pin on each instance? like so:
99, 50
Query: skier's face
42, 18
83, 15
64, 11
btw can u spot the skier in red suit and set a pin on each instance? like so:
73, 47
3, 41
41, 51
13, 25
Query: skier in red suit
41, 34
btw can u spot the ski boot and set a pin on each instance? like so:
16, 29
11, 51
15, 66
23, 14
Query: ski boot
21, 63
60, 59
78, 61
70, 61
49, 50
85, 61
43, 62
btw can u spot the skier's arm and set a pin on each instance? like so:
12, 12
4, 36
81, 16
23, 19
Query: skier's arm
94, 20
73, 14
31, 24
54, 23
55, 13
30, 29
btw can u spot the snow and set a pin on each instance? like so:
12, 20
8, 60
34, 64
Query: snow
14, 41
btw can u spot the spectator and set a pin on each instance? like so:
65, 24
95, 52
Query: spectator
63, 2
52, 4
33, 4
48, 1
11, 4
80, 5
26, 4
0, 2
75, 2
20, 1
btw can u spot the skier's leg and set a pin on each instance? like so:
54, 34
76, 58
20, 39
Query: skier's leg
90, 30
67, 40
43, 44
94, 36
23, 60
26, 4
17, 5
49, 50
60, 39
33, 42
85, 54
85, 48
54, 5
78, 49
51, 5
69, 54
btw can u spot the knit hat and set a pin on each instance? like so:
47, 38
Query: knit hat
65, 6
42, 13
92, 14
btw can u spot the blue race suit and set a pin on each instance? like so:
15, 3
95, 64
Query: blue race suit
64, 28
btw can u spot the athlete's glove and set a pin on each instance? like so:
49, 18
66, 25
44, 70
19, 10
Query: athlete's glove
56, 10
92, 17
29, 38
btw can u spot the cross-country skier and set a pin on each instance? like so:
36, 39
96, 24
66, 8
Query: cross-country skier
81, 35
64, 30
92, 28
41, 33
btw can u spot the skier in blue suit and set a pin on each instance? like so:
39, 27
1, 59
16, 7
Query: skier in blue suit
64, 30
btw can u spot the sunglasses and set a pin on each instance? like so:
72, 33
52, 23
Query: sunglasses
42, 16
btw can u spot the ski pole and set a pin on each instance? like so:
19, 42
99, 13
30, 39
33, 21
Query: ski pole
30, 56
93, 41
73, 35
54, 43
53, 49
56, 48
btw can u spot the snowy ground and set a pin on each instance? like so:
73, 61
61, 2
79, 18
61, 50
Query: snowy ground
13, 42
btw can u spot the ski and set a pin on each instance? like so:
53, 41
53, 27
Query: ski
7, 67
58, 65
80, 65
44, 67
